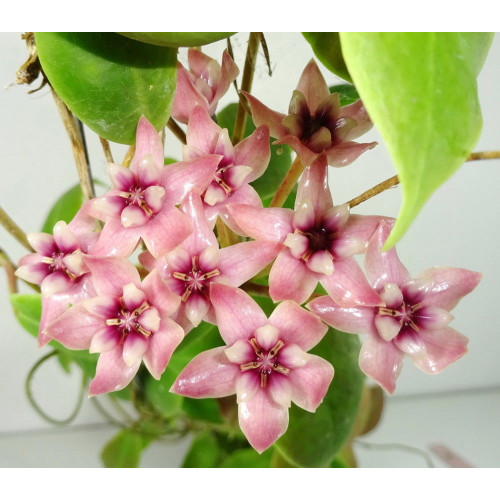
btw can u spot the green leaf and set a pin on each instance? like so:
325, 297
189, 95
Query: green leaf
178, 39
281, 159
420, 91
65, 208
124, 450
109, 81
326, 47
347, 93
203, 453
314, 439
28, 311
202, 409
248, 458
158, 395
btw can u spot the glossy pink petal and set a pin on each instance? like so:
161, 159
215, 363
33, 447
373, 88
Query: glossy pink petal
273, 223
239, 263
313, 187
291, 279
42, 243
310, 382
313, 85
111, 274
75, 328
307, 156
357, 112
262, 115
208, 375
262, 420
202, 132
345, 153
297, 326
186, 96
433, 350
56, 282
147, 142
382, 361
443, 286
229, 72
112, 373
180, 178
116, 240
350, 320
347, 286
159, 295
166, 230
383, 267
122, 177
254, 151
238, 315
65, 239
162, 344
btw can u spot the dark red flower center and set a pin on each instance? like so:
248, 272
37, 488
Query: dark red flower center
127, 321
195, 279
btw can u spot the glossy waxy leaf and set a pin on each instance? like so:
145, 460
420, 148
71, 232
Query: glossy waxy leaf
420, 91
177, 39
108, 81
347, 93
65, 208
281, 158
124, 449
326, 47
314, 439
248, 458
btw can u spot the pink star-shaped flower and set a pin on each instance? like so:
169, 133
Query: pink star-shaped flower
238, 165
315, 122
203, 85
128, 321
265, 363
197, 262
142, 201
319, 241
413, 319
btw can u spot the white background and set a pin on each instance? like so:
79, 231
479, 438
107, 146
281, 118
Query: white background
458, 227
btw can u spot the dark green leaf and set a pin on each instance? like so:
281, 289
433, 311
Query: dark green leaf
109, 81
281, 159
326, 47
347, 93
178, 39
204, 452
158, 394
420, 91
202, 409
314, 439
124, 450
65, 208
248, 458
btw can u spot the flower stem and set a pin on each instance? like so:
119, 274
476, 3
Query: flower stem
128, 156
10, 269
225, 235
12, 228
394, 181
107, 150
176, 130
246, 85
287, 184
36, 406
78, 147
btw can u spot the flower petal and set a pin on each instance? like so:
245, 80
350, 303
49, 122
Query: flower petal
116, 240
313, 86
313, 186
196, 308
387, 327
202, 132
310, 383
350, 320
111, 274
347, 286
382, 361
291, 279
254, 151
122, 177
238, 315
345, 153
112, 374
297, 326
147, 142
247, 386
321, 263
134, 347
133, 216
262, 420
270, 224
42, 243
64, 238
208, 375
162, 344
159, 295
357, 112
383, 267
262, 115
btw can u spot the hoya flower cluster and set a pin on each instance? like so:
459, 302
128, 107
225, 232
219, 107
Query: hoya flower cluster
94, 298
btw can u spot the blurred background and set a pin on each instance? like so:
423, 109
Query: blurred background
458, 227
